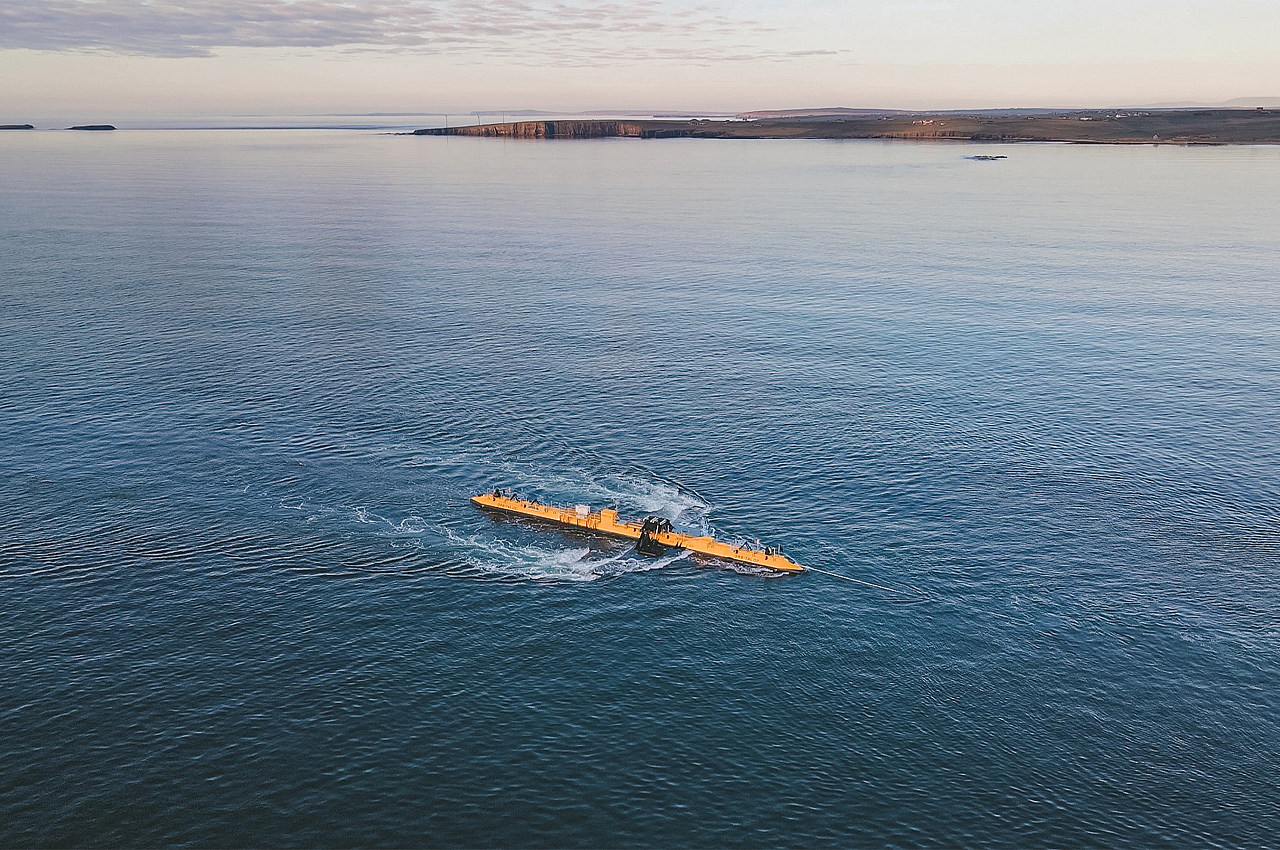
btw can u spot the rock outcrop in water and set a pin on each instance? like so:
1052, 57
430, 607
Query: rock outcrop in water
16, 127
93, 127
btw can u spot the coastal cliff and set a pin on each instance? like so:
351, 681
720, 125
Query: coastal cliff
542, 130
1179, 127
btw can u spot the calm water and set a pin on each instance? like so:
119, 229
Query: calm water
250, 379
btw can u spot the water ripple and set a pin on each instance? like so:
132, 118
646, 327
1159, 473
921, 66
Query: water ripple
253, 378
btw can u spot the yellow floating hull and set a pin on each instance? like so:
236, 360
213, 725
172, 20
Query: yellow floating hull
605, 521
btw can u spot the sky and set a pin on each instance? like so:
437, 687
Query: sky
95, 59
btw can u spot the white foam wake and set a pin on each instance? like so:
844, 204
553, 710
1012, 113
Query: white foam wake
500, 556
503, 558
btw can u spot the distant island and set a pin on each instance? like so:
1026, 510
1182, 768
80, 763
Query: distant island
92, 127
16, 127
1114, 127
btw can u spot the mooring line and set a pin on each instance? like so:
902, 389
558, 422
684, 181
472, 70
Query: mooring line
858, 580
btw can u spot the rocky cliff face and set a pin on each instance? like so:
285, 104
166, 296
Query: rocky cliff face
541, 130
1187, 127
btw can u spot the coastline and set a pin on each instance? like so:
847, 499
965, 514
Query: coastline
1110, 127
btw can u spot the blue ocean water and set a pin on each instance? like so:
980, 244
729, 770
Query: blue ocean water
250, 379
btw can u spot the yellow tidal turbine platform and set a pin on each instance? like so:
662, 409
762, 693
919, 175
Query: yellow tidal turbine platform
653, 535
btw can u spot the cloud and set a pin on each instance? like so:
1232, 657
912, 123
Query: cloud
572, 30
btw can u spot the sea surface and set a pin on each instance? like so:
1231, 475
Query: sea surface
249, 379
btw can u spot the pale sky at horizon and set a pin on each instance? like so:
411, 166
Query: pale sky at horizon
157, 57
